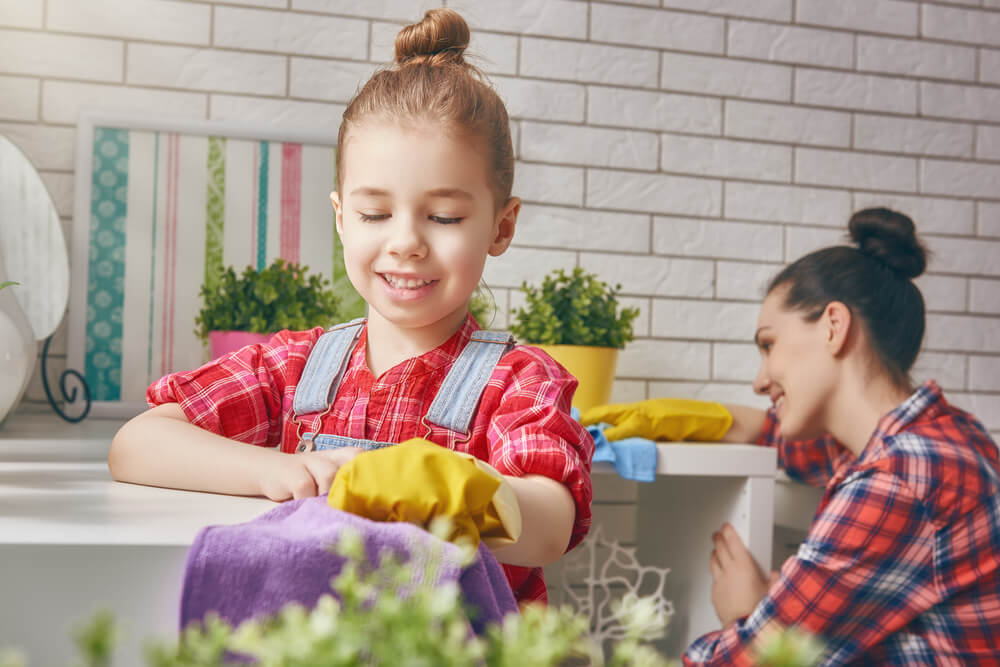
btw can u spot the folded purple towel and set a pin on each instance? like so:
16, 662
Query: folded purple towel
253, 569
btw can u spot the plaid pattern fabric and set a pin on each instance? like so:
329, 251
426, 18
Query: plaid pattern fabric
901, 565
522, 426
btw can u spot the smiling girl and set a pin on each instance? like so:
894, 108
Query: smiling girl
901, 565
425, 174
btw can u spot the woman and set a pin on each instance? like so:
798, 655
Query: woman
901, 564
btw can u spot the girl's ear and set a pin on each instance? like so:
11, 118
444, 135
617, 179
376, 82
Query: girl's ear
503, 226
335, 198
837, 322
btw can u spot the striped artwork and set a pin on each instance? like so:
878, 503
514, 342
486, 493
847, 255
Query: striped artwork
168, 211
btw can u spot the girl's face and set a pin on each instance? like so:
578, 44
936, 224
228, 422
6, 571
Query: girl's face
417, 218
797, 369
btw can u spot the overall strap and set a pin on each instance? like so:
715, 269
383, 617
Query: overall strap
456, 400
325, 367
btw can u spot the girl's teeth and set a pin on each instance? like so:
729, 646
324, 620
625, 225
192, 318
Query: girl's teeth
400, 283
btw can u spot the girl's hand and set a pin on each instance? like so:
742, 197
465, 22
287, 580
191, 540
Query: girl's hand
305, 475
737, 581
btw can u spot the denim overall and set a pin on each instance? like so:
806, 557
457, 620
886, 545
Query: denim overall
453, 407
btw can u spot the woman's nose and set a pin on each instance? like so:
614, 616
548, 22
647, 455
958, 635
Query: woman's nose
762, 383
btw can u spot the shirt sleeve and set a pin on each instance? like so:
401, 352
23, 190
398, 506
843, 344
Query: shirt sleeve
864, 572
533, 433
239, 395
810, 461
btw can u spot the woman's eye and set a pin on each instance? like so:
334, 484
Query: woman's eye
373, 217
446, 221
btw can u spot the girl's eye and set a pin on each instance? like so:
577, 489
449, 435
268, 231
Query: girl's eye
446, 221
373, 217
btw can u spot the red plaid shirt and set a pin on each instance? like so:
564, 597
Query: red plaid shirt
901, 565
522, 426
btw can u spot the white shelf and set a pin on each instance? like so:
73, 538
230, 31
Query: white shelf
700, 459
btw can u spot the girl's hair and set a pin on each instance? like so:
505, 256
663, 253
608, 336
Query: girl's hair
431, 80
874, 280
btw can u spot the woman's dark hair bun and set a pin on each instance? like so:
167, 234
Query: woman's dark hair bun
890, 237
441, 37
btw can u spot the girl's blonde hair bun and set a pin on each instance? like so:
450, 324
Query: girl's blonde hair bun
440, 38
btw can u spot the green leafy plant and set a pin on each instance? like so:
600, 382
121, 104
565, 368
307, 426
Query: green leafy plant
483, 306
8, 283
370, 623
573, 309
792, 647
281, 296
363, 625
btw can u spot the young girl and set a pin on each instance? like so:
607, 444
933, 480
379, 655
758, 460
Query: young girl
425, 173
902, 562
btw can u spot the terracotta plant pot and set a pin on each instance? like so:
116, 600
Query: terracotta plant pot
594, 367
224, 342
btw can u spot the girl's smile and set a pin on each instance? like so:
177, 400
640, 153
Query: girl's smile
406, 288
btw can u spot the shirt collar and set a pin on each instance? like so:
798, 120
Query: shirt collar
925, 399
443, 355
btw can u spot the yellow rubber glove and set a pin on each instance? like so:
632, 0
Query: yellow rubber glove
417, 481
662, 419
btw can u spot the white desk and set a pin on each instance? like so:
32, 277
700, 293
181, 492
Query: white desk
73, 541
702, 486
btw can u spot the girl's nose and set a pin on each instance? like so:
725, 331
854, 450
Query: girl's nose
406, 239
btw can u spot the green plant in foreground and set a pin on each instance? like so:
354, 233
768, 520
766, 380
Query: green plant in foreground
791, 648
573, 309
382, 617
8, 283
278, 297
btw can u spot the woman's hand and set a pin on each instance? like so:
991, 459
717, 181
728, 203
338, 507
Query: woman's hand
737, 581
305, 475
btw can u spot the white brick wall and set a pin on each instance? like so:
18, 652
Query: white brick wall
685, 149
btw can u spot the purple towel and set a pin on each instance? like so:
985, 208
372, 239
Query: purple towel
253, 569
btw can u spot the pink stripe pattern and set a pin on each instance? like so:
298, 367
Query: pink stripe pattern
291, 200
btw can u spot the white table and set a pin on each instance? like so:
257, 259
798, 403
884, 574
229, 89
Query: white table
73, 541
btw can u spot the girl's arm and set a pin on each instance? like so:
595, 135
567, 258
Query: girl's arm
547, 516
161, 447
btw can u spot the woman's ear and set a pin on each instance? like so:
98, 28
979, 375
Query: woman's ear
837, 321
335, 199
503, 226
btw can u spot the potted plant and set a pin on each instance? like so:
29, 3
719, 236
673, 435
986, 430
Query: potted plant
575, 318
246, 309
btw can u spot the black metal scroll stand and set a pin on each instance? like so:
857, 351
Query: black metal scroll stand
68, 396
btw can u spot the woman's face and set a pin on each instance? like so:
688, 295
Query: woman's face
796, 368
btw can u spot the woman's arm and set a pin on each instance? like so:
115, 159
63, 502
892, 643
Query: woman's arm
864, 572
547, 516
748, 424
161, 447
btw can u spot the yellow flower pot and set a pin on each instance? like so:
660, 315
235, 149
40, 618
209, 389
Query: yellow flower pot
594, 367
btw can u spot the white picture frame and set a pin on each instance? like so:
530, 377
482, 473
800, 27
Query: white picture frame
314, 182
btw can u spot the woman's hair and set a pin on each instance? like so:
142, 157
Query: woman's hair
431, 80
873, 279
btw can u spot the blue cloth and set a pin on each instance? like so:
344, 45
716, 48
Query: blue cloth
633, 458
